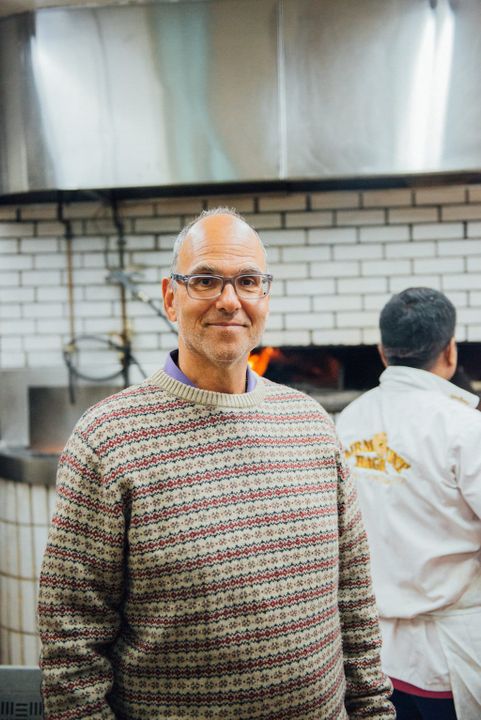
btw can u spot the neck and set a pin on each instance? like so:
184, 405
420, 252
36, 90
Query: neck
442, 372
229, 379
442, 368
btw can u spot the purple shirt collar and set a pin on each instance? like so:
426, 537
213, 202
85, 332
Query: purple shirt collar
174, 371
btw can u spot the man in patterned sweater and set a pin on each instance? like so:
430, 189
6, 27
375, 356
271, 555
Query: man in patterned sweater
206, 558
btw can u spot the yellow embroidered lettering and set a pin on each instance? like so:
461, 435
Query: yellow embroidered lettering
370, 463
397, 461
367, 445
383, 453
379, 442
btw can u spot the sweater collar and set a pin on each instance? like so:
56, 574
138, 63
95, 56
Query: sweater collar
401, 377
209, 398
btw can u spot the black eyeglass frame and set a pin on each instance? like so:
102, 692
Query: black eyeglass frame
266, 277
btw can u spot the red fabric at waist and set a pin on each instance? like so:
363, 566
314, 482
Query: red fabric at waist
413, 690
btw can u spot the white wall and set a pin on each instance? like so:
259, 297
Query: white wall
336, 256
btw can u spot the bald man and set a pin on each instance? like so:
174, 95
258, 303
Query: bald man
207, 558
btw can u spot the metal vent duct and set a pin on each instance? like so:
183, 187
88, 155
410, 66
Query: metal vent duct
182, 93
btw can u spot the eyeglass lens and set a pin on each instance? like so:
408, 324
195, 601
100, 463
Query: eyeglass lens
246, 286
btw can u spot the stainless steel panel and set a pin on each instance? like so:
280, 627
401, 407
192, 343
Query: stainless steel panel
206, 91
169, 93
377, 83
25, 466
53, 413
13, 7
36, 409
462, 120
24, 161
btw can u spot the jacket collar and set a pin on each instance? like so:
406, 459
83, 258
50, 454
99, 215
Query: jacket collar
401, 377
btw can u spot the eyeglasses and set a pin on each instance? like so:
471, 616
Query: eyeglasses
249, 286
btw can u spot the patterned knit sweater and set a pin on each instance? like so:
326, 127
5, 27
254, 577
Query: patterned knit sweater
207, 560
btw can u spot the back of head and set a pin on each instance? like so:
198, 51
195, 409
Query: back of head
416, 325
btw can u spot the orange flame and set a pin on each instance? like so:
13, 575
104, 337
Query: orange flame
259, 362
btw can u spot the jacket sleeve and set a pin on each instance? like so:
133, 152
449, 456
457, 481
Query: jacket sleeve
467, 461
367, 687
81, 587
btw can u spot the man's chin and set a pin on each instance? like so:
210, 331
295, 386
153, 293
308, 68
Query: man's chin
228, 359
229, 354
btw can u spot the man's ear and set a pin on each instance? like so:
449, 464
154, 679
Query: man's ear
451, 355
380, 350
169, 299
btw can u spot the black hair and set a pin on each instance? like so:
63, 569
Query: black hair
416, 325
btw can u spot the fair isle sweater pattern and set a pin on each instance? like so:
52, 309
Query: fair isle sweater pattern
207, 560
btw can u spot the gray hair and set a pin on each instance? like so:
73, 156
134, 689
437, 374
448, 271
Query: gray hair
204, 214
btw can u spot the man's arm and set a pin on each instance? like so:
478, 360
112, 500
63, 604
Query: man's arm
368, 688
81, 586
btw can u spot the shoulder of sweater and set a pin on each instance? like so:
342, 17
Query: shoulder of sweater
299, 398
119, 404
275, 388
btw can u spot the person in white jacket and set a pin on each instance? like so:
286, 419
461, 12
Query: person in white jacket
414, 447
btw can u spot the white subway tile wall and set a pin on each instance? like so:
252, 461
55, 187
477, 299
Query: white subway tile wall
25, 512
337, 257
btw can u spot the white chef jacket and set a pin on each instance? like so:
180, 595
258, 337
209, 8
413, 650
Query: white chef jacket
414, 447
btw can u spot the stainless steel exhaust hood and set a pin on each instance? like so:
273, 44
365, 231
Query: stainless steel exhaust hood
221, 91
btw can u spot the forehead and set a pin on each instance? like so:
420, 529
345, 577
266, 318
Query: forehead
221, 243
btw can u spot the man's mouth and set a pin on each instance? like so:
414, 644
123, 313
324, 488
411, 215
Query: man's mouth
227, 324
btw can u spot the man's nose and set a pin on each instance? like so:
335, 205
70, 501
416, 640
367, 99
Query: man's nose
228, 299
